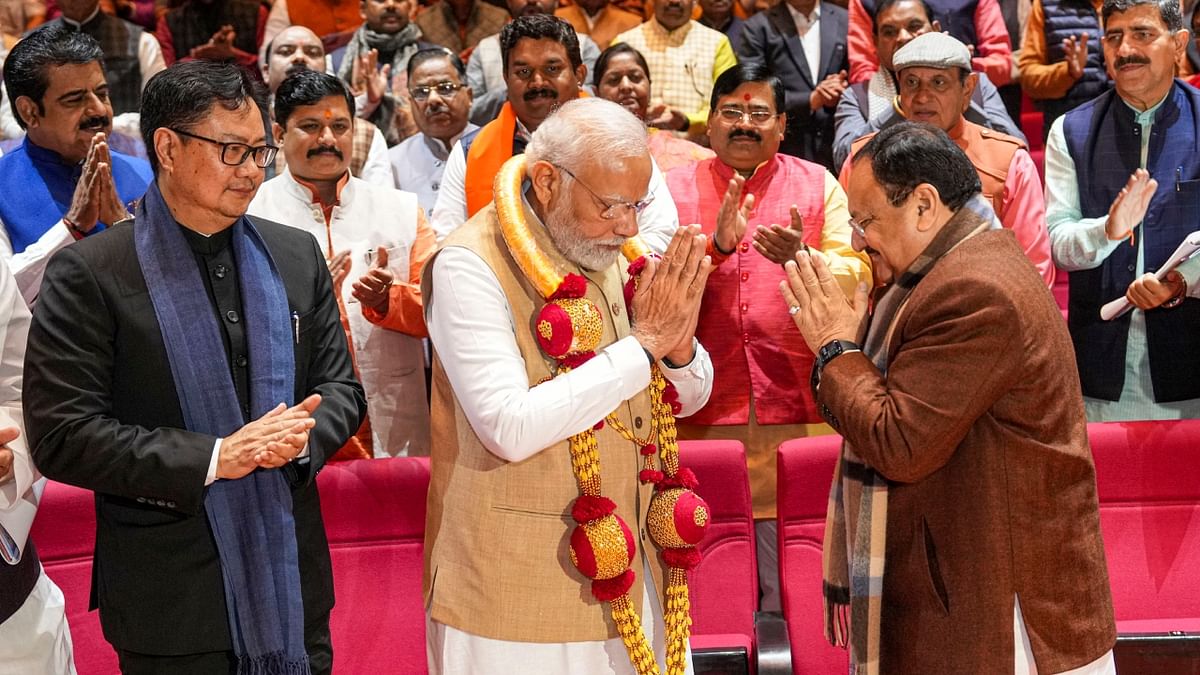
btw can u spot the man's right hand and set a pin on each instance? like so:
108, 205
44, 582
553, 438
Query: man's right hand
7, 435
1129, 208
86, 203
1075, 54
732, 217
271, 440
666, 305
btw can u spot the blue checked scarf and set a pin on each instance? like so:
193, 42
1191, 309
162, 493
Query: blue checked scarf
251, 518
856, 521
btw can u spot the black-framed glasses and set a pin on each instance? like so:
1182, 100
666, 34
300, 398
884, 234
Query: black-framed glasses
235, 154
611, 211
444, 89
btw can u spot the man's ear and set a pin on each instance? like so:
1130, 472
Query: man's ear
545, 179
969, 89
927, 200
936, 26
581, 75
278, 131
29, 111
166, 146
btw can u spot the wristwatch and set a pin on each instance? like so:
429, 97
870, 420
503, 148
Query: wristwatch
828, 352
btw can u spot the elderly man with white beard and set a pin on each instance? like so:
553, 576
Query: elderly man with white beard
563, 351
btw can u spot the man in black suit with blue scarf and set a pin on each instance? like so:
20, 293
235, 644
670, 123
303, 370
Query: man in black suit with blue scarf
191, 369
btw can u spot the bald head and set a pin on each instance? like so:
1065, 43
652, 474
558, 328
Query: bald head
294, 46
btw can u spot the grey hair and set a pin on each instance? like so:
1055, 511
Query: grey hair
1168, 11
587, 130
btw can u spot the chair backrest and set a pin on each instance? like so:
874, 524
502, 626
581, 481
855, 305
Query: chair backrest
1148, 478
805, 471
65, 534
724, 587
374, 514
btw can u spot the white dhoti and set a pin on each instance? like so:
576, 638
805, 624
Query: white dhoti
453, 652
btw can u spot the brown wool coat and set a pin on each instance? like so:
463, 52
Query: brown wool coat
979, 425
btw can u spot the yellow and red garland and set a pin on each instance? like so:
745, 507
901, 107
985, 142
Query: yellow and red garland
569, 328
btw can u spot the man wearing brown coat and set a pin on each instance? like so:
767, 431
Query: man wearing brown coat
963, 533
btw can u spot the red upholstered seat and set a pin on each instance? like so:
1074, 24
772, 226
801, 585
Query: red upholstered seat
805, 472
1148, 475
65, 534
375, 518
724, 588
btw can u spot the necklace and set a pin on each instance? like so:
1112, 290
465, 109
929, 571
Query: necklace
568, 329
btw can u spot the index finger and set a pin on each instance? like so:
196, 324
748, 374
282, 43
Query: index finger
9, 434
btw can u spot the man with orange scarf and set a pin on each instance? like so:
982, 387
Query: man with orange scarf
542, 69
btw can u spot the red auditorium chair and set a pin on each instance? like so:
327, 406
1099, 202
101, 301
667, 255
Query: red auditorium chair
805, 472
65, 534
375, 518
724, 587
1148, 477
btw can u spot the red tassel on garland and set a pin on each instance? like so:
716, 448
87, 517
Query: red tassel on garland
606, 590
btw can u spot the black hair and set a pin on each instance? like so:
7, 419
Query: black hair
308, 87
184, 94
888, 4
27, 69
614, 51
742, 73
1168, 11
431, 53
905, 155
540, 27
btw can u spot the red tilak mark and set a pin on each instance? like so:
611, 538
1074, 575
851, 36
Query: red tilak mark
745, 97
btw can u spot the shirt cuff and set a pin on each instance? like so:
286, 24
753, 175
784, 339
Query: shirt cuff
212, 464
629, 361
692, 370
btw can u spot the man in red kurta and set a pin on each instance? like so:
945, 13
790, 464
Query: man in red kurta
760, 392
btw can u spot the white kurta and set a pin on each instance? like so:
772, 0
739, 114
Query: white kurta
35, 640
472, 326
391, 365
417, 165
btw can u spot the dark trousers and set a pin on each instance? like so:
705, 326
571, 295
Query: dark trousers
317, 643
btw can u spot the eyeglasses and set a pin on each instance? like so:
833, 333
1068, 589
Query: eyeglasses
611, 211
860, 226
235, 154
443, 89
757, 117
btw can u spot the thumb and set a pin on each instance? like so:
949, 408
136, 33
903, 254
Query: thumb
9, 434
381, 257
311, 403
386, 71
647, 276
797, 219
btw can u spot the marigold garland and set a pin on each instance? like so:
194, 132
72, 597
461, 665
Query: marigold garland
602, 544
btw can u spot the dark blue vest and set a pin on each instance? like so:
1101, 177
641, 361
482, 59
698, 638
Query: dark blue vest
955, 16
36, 188
1104, 140
1070, 18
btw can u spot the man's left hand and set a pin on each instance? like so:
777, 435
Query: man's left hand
219, 47
373, 289
818, 305
1147, 292
780, 244
7, 435
368, 77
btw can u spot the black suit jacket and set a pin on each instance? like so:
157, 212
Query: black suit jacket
102, 413
770, 38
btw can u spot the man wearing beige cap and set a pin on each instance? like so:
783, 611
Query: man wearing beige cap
935, 84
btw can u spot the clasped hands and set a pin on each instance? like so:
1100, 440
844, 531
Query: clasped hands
268, 442
666, 305
817, 304
1127, 210
96, 198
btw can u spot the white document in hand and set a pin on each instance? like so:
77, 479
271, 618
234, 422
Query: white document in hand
1187, 248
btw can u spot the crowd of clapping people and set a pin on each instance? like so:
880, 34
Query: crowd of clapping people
337, 164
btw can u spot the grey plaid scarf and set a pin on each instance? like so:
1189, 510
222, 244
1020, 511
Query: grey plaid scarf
856, 521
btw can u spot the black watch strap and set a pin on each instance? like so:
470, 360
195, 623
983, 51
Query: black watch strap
833, 349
